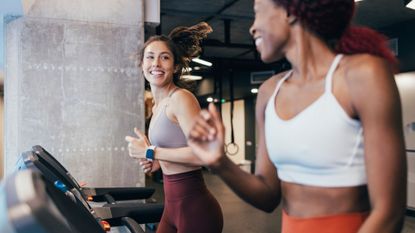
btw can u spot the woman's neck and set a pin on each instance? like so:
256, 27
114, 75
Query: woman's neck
309, 56
160, 93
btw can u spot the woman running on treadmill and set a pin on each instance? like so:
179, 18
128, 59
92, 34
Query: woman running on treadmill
189, 206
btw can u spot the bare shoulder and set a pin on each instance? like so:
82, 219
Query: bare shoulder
365, 69
265, 91
369, 80
268, 87
182, 104
183, 96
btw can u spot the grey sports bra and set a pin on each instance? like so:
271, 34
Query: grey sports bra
165, 133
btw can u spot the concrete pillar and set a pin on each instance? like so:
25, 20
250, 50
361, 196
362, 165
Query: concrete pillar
72, 86
1, 123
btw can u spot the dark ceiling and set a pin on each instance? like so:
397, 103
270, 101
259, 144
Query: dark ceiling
230, 47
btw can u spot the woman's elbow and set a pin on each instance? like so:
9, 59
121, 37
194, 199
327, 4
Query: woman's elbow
268, 206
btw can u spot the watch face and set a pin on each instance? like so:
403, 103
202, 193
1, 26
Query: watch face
150, 153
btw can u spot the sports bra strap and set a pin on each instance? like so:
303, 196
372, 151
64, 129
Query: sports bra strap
172, 91
329, 76
170, 94
287, 75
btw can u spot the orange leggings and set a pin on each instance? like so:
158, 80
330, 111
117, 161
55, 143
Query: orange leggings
342, 223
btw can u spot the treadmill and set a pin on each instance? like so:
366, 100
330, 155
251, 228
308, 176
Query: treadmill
116, 214
31, 204
109, 195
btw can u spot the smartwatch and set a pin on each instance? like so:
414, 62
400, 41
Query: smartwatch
150, 152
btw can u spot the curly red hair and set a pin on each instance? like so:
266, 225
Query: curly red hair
331, 21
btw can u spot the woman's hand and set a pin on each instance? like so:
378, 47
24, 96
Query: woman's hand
149, 166
206, 137
137, 145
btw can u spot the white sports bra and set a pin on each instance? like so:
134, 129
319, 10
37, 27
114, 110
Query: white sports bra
321, 146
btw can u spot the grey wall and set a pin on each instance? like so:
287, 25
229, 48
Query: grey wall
1, 135
72, 86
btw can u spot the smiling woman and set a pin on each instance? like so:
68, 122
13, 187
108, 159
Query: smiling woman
189, 206
330, 146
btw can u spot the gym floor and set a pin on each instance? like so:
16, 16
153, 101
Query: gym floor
241, 217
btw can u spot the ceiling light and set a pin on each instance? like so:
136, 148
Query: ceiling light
201, 61
254, 90
410, 4
209, 99
191, 77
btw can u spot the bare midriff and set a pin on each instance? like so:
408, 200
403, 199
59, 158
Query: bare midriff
310, 201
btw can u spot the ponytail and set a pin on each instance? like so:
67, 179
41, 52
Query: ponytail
365, 40
188, 39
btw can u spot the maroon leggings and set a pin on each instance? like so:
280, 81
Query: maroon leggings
189, 207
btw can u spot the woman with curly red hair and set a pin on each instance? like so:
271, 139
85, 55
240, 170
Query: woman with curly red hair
331, 146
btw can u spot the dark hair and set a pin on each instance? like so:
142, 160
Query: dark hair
331, 21
185, 44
